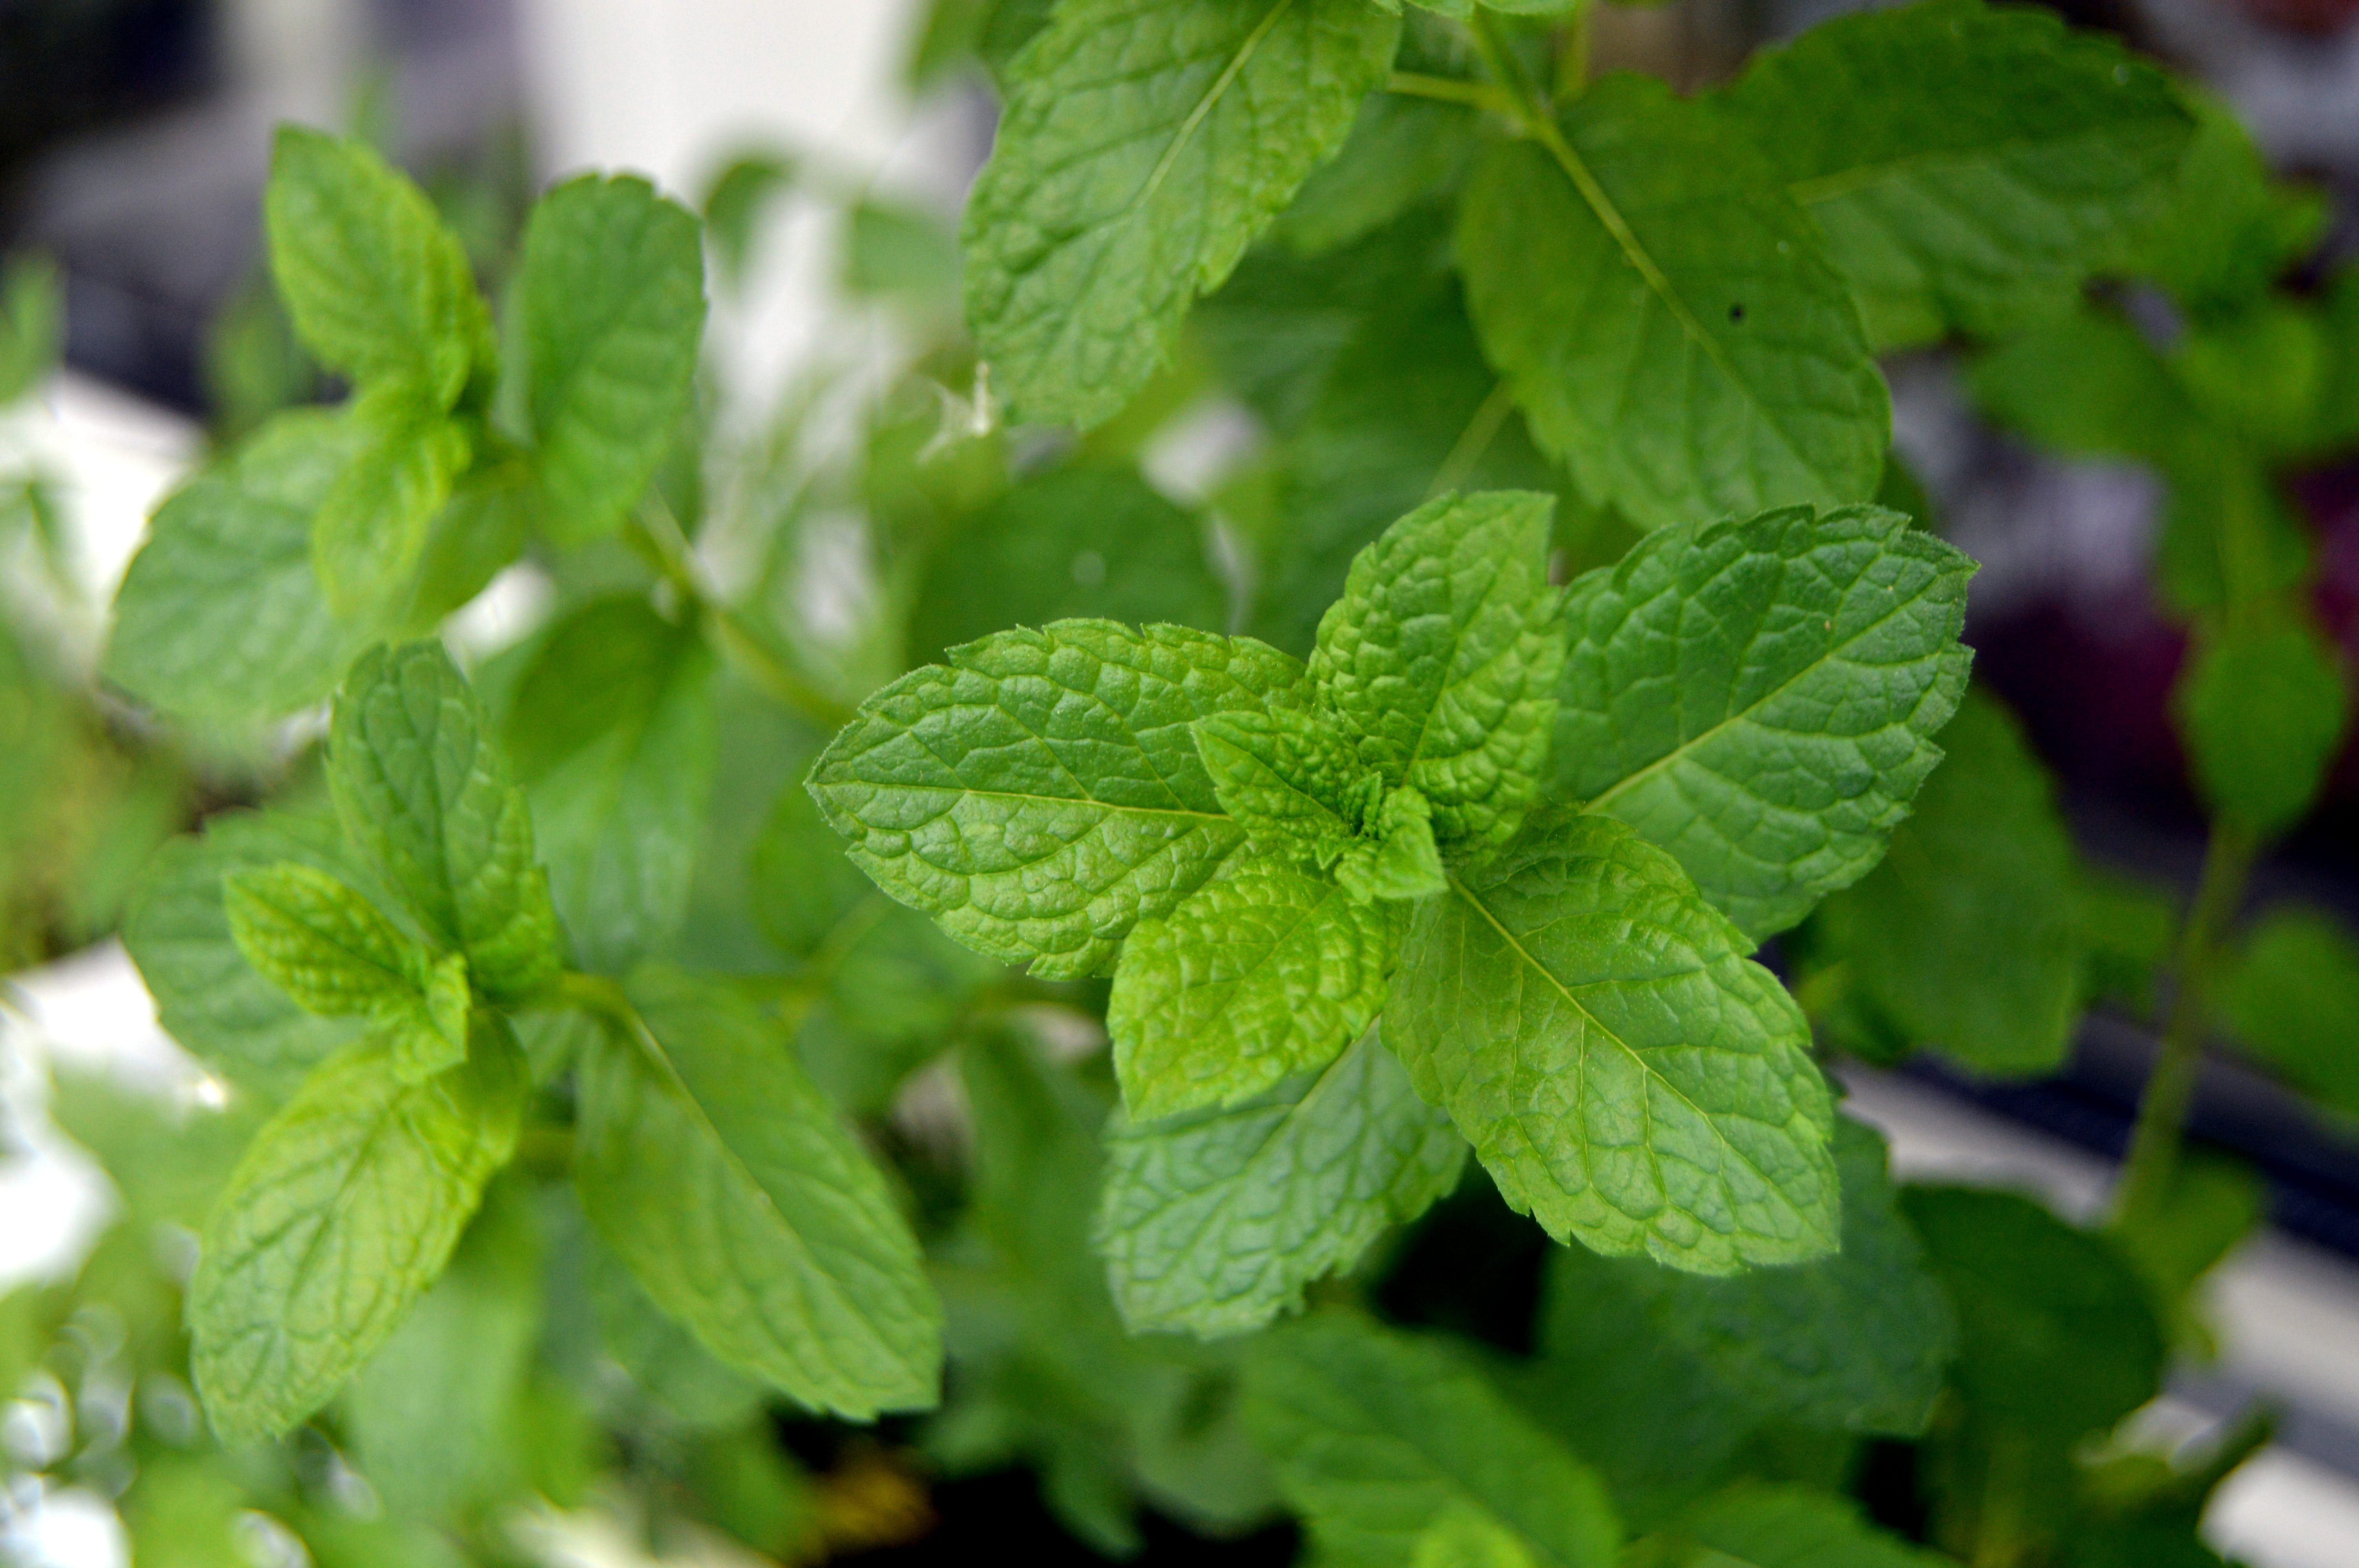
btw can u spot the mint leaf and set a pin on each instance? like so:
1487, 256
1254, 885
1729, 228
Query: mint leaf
610, 294
1756, 1526
716, 1171
1075, 541
1144, 144
1040, 793
2263, 711
615, 739
32, 324
2088, 384
1292, 780
671, 1370
1376, 1435
1626, 1076
1463, 1536
1971, 166
2230, 228
1857, 1342
1967, 938
372, 525
2289, 996
1670, 318
337, 1219
1443, 655
424, 794
1402, 153
1759, 697
220, 618
1212, 1224
208, 997
1257, 975
1403, 862
377, 289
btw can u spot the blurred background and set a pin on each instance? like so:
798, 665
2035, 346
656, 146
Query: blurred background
830, 147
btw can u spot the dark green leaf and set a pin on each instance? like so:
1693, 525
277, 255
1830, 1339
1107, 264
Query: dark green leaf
2263, 711
2291, 996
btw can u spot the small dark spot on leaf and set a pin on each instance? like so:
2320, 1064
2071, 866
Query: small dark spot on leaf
1736, 312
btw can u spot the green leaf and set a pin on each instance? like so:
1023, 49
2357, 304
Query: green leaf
377, 289
1404, 862
2087, 385
2263, 711
1754, 1526
1144, 144
2230, 228
372, 525
182, 1511
432, 1420
1376, 1435
1626, 1076
1402, 153
1853, 1343
1759, 697
902, 254
611, 296
424, 794
719, 1174
207, 996
2291, 997
1259, 976
1040, 793
2058, 1338
338, 1218
32, 325
1075, 541
615, 735
1292, 780
735, 203
220, 618
1442, 656
1214, 1223
663, 1358
1968, 937
1667, 316
1971, 166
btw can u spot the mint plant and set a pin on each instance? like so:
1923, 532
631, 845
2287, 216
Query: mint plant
936, 928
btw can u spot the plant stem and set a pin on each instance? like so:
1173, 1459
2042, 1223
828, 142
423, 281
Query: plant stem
656, 534
1451, 89
2152, 1155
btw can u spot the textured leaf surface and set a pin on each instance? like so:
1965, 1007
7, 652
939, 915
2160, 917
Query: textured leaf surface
614, 736
340, 1216
220, 618
1627, 1075
1781, 1527
1145, 142
1443, 655
1376, 1434
1212, 1224
2018, 159
375, 286
1760, 697
1968, 937
207, 996
2263, 710
317, 940
1262, 974
1040, 793
1672, 326
1292, 780
1853, 1343
610, 289
718, 1173
372, 525
422, 791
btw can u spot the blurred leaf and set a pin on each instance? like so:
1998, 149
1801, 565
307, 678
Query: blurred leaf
903, 254
2230, 229
32, 324
2263, 708
2291, 998
737, 201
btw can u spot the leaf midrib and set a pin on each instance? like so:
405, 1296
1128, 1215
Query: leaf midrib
1859, 177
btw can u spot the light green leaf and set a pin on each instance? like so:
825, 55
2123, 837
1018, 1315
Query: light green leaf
1463, 1536
1853, 1343
338, 1218
372, 527
2291, 997
1144, 144
2230, 228
1753, 1526
663, 1358
423, 793
1212, 1224
719, 1174
220, 618
1261, 974
1403, 862
1376, 1435
1443, 655
611, 293
207, 996
1292, 780
614, 736
2088, 384
1075, 541
2263, 711
32, 324
322, 944
1667, 316
1759, 697
1972, 166
1626, 1076
1968, 937
1402, 153
377, 289
1040, 793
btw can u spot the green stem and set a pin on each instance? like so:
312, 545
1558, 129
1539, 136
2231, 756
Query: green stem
656, 534
1572, 52
2153, 1156
1451, 89
595, 995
